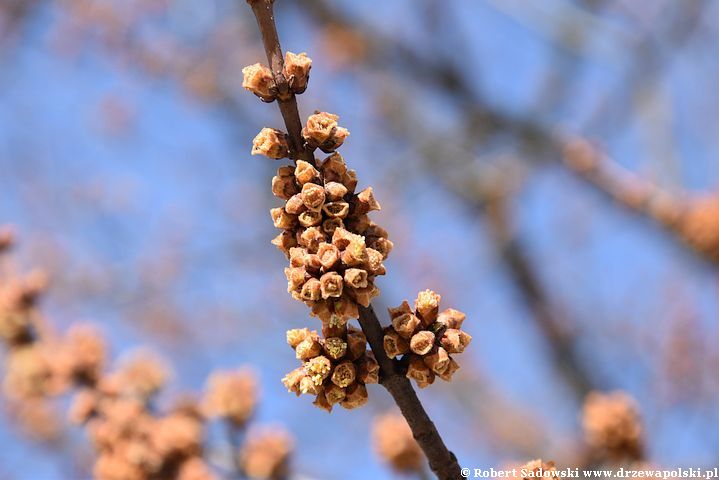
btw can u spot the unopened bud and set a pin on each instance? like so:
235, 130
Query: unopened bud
297, 71
271, 143
258, 79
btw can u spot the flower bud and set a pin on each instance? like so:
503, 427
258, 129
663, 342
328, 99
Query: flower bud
312, 238
322, 131
296, 277
358, 223
368, 369
318, 368
355, 255
312, 263
397, 311
355, 396
284, 186
310, 218
419, 372
374, 262
355, 277
451, 318
331, 224
258, 79
349, 180
344, 374
308, 348
335, 191
296, 335
231, 395
305, 172
308, 386
427, 306
311, 290
271, 143
333, 168
452, 367
406, 324
329, 255
437, 360
345, 308
338, 331
322, 402
321, 310
375, 231
334, 394
364, 296
612, 425
297, 256
297, 71
382, 245
365, 202
313, 195
282, 219
335, 348
394, 344
341, 238
265, 454
394, 443
295, 205
422, 342
331, 285
292, 380
356, 343
336, 209
455, 341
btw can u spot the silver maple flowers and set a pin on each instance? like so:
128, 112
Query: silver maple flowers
259, 79
335, 369
335, 254
425, 338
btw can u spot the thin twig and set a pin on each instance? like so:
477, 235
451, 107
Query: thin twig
392, 377
285, 98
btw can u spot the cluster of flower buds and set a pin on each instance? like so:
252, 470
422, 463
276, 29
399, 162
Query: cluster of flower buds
266, 453
132, 441
394, 443
335, 251
40, 366
612, 426
259, 79
323, 132
335, 369
425, 338
231, 396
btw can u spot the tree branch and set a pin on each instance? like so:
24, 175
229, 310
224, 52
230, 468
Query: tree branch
442, 462
285, 98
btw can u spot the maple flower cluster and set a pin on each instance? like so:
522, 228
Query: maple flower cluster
394, 444
425, 338
131, 439
612, 425
335, 254
335, 369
